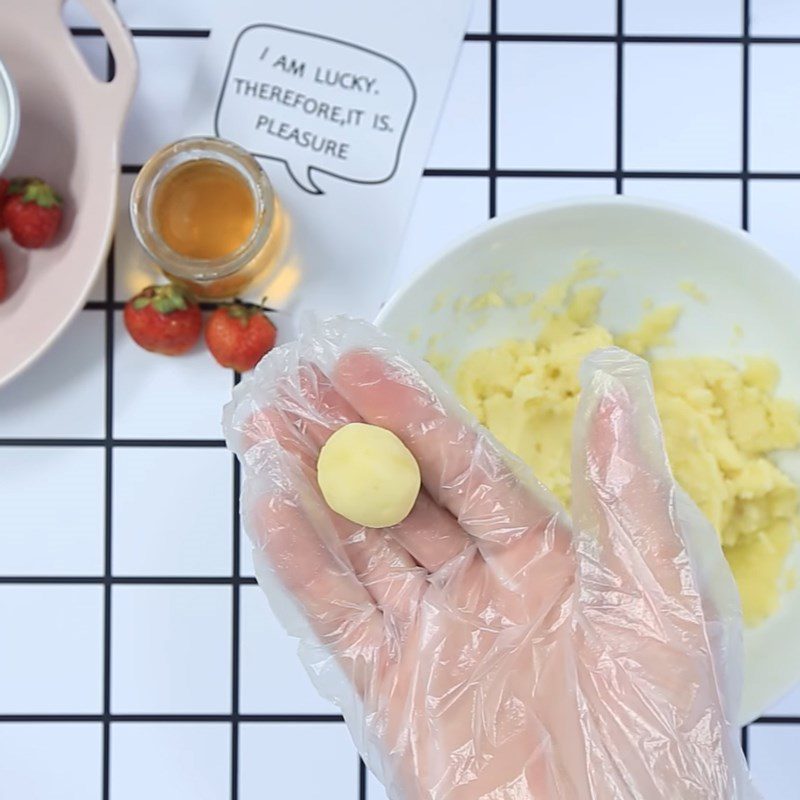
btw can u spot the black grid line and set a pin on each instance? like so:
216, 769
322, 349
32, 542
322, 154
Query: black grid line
236, 620
745, 218
129, 580
106, 718
494, 171
494, 35
107, 511
771, 719
743, 739
745, 221
119, 305
626, 38
620, 98
493, 110
500, 172
83, 442
362, 780
144, 33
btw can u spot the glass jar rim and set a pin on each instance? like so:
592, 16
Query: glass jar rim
164, 161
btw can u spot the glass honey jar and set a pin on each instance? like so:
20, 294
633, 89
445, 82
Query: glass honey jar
205, 212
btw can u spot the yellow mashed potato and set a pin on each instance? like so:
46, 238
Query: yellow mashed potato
720, 423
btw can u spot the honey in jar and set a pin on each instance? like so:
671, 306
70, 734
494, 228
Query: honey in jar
205, 212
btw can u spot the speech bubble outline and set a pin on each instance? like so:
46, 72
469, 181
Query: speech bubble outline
309, 180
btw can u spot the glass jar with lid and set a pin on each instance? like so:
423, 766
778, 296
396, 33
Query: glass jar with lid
206, 214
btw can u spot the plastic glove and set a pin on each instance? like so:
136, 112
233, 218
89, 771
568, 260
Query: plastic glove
488, 647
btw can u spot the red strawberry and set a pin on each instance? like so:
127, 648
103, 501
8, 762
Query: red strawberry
3, 277
32, 212
163, 319
239, 335
3, 193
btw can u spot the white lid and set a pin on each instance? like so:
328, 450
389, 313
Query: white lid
9, 116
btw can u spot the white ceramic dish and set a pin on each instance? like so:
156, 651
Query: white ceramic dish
69, 129
9, 116
652, 248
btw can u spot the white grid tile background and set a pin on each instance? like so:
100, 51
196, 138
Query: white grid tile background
138, 657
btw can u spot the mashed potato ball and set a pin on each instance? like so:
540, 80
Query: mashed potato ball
368, 475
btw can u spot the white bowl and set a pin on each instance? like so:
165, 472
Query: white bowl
9, 116
652, 248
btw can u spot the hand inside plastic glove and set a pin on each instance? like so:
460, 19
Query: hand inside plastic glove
488, 648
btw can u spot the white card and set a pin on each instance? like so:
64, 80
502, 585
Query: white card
340, 102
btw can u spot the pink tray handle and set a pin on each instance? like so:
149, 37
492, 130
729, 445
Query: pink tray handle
117, 93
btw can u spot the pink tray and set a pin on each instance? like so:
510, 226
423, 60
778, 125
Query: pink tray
69, 135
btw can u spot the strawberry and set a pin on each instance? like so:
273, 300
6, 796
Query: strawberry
3, 277
163, 319
3, 193
239, 335
32, 212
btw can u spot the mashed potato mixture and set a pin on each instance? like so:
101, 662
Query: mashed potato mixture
721, 423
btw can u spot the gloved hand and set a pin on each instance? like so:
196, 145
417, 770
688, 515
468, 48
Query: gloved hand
488, 648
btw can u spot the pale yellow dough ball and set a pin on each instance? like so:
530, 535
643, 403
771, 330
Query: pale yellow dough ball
368, 475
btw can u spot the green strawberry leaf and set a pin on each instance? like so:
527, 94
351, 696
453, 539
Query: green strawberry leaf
34, 190
164, 299
244, 311
163, 305
18, 185
178, 301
